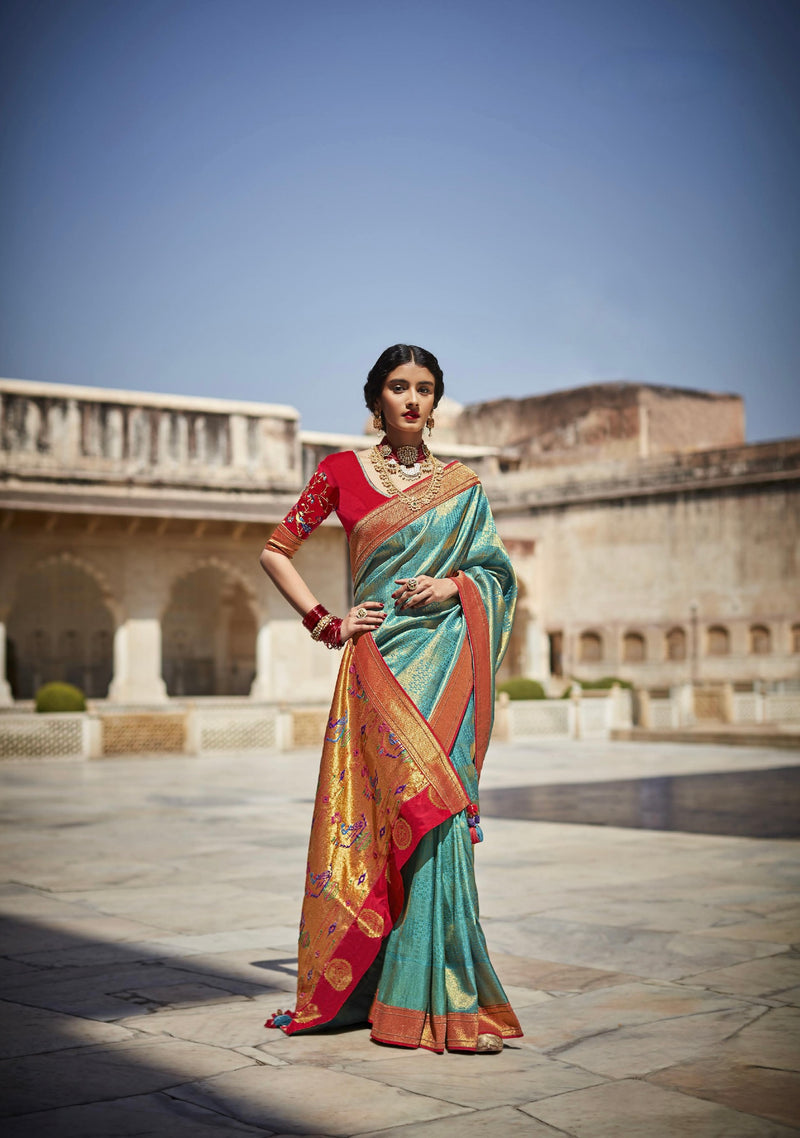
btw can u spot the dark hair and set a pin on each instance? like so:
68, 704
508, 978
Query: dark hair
395, 356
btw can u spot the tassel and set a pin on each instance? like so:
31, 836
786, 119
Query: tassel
473, 818
280, 1019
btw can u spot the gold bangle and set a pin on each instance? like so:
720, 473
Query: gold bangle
320, 627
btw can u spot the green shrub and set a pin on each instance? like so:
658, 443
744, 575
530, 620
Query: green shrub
605, 684
518, 687
60, 697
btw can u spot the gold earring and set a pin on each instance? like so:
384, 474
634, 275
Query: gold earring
377, 421
430, 425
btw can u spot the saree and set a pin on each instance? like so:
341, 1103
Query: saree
390, 912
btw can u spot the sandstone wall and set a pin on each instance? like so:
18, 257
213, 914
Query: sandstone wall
714, 545
610, 420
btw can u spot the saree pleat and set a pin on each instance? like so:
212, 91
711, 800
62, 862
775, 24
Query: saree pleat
390, 884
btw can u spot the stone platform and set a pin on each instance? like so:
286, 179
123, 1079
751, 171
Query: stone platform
150, 921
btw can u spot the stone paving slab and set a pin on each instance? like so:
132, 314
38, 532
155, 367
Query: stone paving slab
317, 1100
117, 1070
143, 1116
150, 910
639, 1110
29, 1031
513, 1077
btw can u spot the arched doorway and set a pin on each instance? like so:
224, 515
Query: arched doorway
60, 628
208, 636
517, 660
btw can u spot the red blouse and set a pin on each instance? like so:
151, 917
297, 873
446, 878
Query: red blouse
339, 483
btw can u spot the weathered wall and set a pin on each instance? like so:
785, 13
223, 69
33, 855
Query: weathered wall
612, 420
615, 564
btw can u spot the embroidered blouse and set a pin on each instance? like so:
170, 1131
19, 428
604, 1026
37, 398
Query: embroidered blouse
339, 483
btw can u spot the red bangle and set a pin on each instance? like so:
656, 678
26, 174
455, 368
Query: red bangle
331, 635
313, 617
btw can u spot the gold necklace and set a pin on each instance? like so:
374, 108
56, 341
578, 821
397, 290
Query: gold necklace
414, 504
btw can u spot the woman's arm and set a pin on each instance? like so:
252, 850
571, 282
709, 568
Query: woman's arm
287, 581
291, 585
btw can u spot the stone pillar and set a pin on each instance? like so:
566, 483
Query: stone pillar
574, 718
537, 653
502, 718
727, 703
643, 699
137, 662
260, 688
6, 697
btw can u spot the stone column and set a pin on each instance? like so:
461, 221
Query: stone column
137, 662
6, 697
260, 688
536, 652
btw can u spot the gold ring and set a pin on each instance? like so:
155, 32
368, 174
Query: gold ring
361, 613
411, 584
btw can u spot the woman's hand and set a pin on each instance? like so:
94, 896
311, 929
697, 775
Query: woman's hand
423, 590
365, 617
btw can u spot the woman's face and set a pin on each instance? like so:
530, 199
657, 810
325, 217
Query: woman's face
407, 400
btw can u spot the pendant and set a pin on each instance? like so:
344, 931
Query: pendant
410, 473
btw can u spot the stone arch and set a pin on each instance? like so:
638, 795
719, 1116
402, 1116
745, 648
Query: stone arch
208, 631
634, 650
515, 662
760, 640
718, 640
675, 643
67, 557
228, 569
61, 627
590, 647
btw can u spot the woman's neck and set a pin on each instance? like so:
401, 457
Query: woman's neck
404, 439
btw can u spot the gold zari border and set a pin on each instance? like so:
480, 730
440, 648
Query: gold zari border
393, 515
455, 1031
408, 724
282, 540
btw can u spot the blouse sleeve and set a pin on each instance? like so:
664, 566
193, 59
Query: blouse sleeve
319, 498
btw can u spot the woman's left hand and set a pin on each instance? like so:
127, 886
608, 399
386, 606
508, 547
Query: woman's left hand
422, 590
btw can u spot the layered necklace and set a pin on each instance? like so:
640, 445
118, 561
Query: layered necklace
410, 463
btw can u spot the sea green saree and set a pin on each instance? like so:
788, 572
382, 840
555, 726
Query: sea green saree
391, 910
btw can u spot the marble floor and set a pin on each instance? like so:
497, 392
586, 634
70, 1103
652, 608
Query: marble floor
149, 922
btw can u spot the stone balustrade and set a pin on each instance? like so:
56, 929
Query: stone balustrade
55, 431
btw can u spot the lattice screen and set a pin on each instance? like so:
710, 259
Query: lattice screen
134, 734
745, 707
238, 731
41, 737
782, 708
309, 728
538, 717
708, 704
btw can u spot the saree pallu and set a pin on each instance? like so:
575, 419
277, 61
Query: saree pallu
390, 891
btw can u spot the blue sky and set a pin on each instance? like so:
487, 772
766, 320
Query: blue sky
250, 199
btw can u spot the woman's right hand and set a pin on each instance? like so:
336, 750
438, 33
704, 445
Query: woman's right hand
362, 618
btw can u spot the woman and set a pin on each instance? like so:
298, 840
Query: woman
389, 931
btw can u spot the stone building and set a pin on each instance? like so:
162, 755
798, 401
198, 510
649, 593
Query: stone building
650, 542
131, 525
